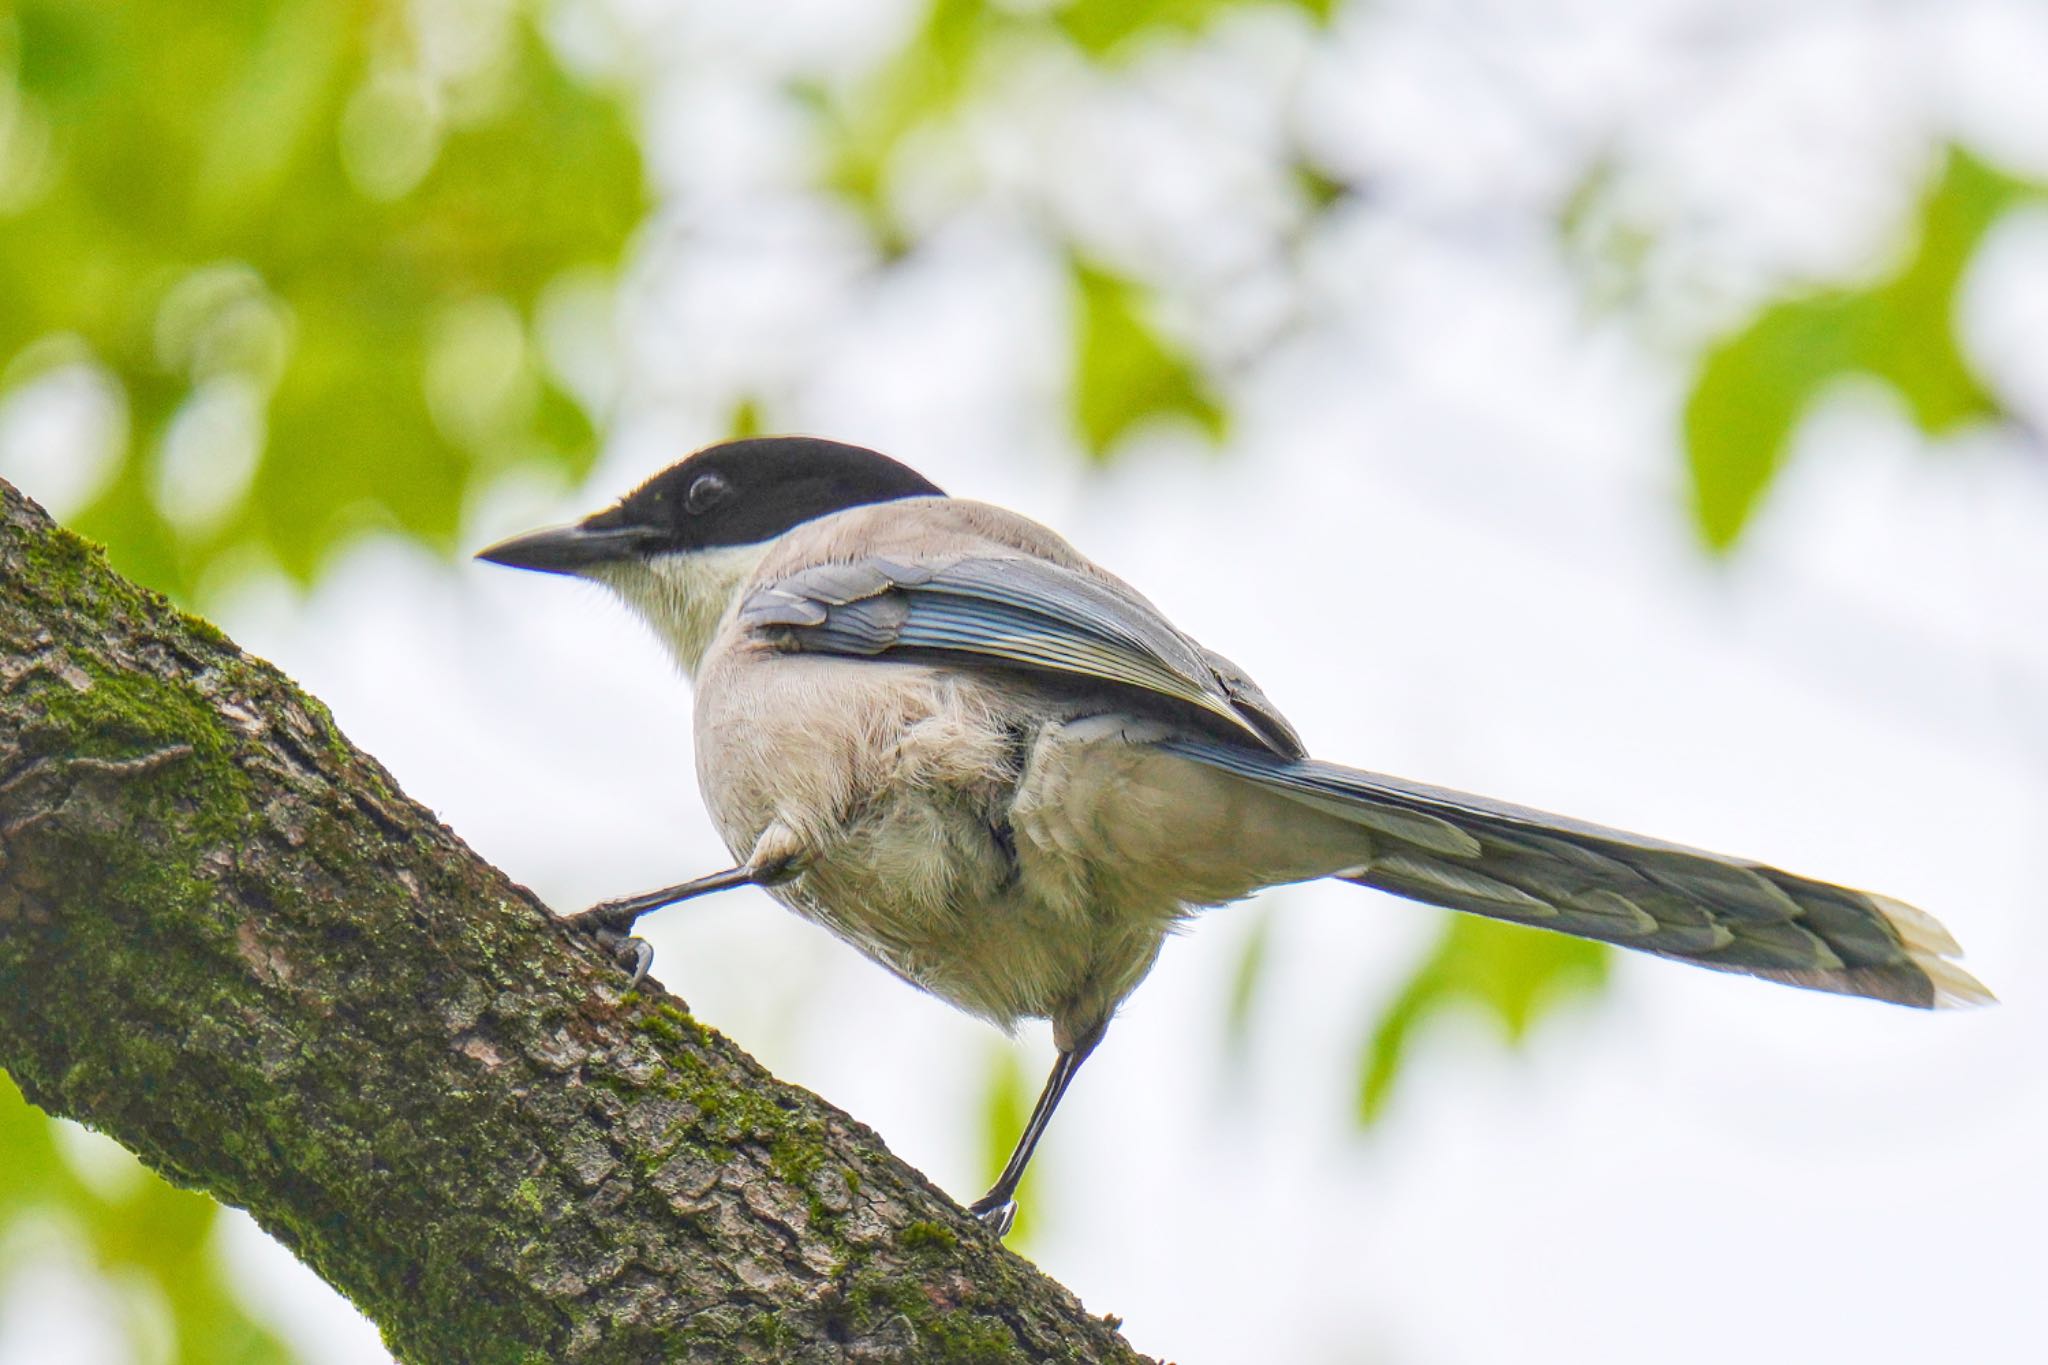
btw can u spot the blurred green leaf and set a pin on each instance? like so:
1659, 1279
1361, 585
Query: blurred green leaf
1320, 190
308, 244
922, 84
1245, 980
1099, 27
1754, 386
1609, 244
746, 420
144, 1228
1510, 974
1126, 372
961, 49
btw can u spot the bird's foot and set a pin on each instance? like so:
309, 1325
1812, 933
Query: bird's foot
636, 955
996, 1217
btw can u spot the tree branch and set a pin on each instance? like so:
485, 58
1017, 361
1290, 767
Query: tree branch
228, 940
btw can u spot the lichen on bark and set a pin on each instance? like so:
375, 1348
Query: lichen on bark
230, 941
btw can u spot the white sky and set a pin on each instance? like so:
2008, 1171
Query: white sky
1448, 537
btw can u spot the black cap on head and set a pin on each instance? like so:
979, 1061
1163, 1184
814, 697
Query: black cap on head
745, 492
735, 493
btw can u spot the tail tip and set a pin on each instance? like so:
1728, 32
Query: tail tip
1931, 946
1954, 988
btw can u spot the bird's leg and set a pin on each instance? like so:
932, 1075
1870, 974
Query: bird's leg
611, 922
619, 914
998, 1208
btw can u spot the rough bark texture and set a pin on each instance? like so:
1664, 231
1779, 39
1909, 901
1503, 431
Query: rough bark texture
228, 940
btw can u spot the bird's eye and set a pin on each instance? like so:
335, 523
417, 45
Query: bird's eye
706, 492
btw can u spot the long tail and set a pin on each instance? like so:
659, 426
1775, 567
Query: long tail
1469, 853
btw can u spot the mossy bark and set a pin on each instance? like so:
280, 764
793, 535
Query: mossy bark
230, 941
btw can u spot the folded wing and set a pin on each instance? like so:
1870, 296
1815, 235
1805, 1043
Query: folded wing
1016, 613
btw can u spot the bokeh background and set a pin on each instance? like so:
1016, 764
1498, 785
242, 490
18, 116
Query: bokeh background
1627, 409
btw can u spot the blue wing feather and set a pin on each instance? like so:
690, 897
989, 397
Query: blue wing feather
1023, 613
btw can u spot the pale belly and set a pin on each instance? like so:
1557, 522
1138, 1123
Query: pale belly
1013, 860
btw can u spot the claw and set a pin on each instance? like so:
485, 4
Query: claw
634, 954
997, 1218
638, 954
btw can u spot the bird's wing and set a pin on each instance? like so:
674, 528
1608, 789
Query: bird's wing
1013, 612
1507, 862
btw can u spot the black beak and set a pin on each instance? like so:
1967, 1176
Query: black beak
567, 549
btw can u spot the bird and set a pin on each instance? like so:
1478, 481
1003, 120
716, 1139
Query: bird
935, 728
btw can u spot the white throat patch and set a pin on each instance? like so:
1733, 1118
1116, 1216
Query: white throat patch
685, 597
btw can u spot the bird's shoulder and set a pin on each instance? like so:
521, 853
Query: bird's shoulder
922, 530
939, 531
